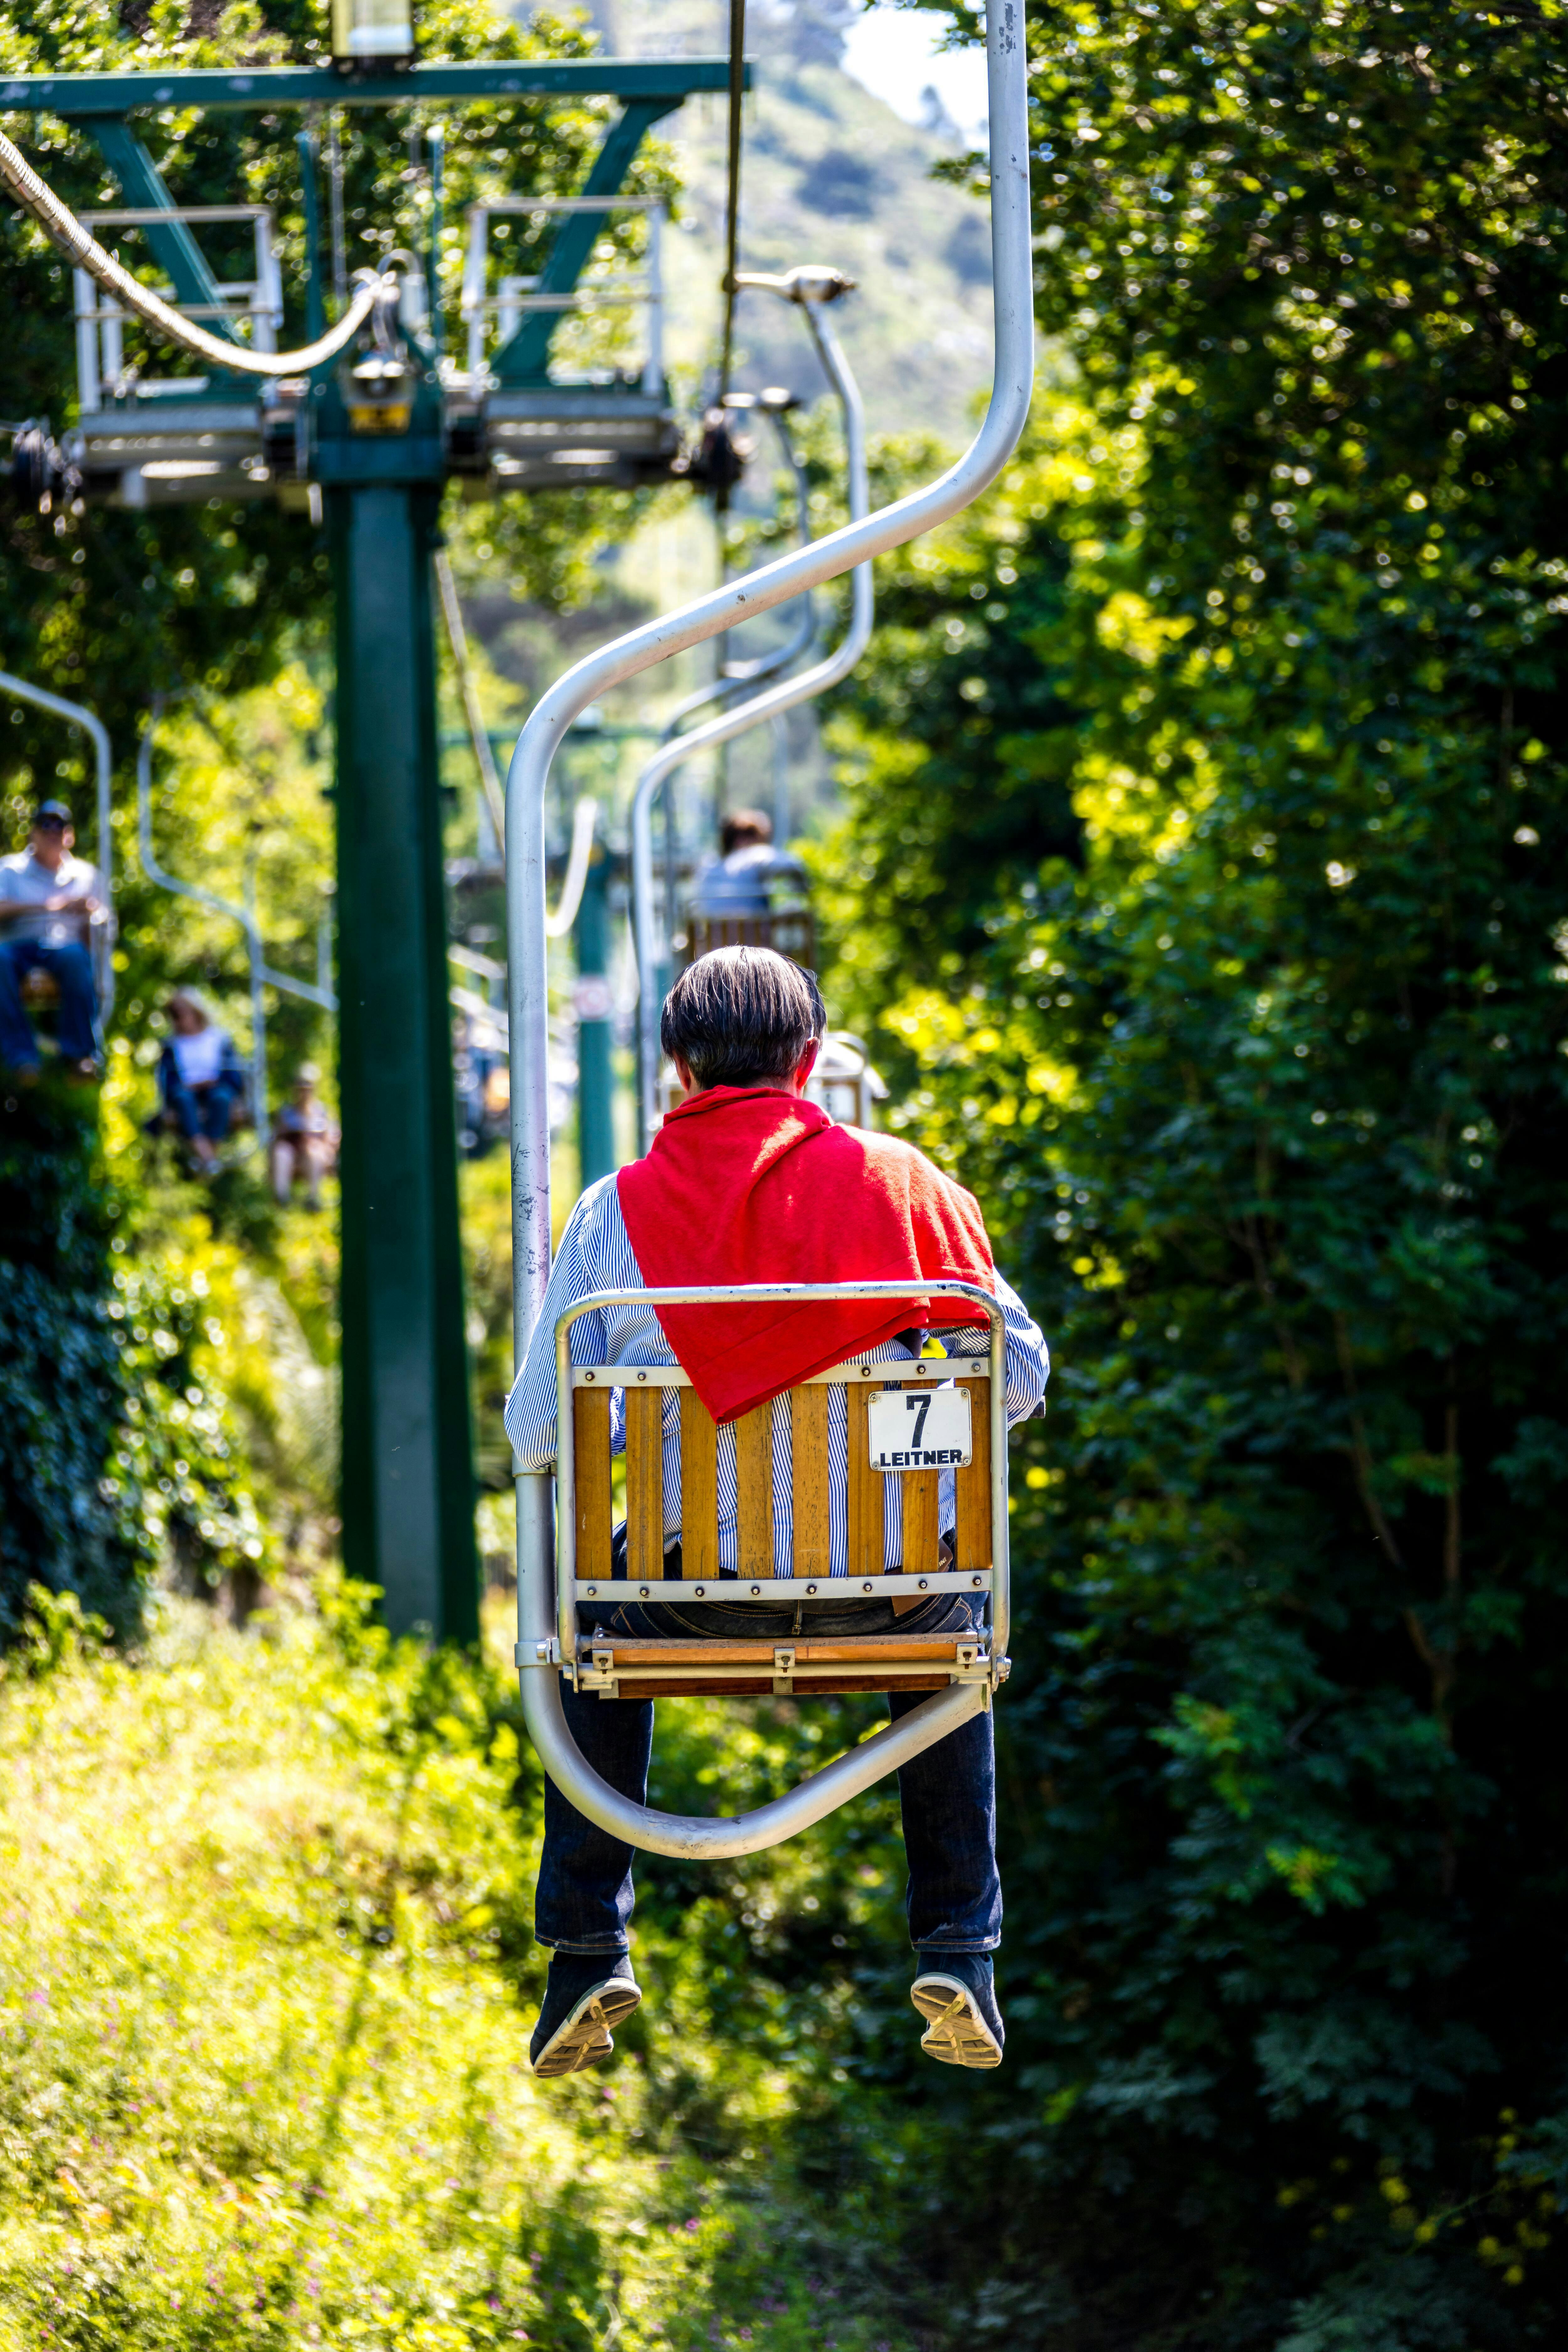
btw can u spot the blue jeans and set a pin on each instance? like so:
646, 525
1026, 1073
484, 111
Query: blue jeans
203, 1110
947, 1795
70, 969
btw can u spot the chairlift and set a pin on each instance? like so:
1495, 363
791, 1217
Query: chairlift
563, 1524
76, 714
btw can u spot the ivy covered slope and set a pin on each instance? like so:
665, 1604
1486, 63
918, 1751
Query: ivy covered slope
1266, 1097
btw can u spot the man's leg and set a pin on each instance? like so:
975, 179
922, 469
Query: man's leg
583, 1901
216, 1110
948, 1799
18, 1046
181, 1106
71, 970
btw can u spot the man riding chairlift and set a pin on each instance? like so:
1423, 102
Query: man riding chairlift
49, 901
736, 882
747, 1182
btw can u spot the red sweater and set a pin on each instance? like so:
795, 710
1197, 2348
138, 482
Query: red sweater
749, 1184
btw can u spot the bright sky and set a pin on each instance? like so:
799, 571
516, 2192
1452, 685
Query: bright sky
893, 51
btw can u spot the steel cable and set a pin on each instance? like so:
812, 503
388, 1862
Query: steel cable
66, 232
732, 223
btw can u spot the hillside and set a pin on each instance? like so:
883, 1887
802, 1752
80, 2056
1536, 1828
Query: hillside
829, 175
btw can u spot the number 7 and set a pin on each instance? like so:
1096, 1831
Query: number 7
922, 1405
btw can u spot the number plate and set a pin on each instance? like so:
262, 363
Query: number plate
919, 1429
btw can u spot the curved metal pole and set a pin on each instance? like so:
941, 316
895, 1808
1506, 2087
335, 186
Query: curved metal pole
529, 773
736, 675
770, 703
78, 714
716, 1838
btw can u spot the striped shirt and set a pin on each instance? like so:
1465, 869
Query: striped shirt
595, 1254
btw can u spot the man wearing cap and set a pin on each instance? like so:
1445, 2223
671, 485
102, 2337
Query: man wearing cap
48, 902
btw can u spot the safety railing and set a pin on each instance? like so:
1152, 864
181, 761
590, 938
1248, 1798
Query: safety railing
517, 293
101, 320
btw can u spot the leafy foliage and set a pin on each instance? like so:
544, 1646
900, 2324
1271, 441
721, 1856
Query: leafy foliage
1266, 1099
260, 2041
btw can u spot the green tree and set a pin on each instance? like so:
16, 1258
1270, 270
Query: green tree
1266, 1098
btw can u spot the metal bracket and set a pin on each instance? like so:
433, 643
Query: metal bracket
600, 1675
544, 1653
783, 1671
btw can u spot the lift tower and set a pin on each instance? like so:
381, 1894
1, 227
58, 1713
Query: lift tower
372, 451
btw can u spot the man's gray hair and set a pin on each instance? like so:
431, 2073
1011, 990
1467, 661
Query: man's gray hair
741, 1017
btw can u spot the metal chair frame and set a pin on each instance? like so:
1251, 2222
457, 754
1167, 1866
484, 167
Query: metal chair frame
740, 1661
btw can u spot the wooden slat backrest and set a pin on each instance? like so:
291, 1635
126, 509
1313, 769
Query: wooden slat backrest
808, 1408
591, 1478
974, 1485
866, 1486
808, 1480
645, 1483
755, 1492
699, 1489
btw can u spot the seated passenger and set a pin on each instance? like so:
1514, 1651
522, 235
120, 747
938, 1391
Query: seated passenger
746, 1181
201, 1078
304, 1141
735, 883
48, 903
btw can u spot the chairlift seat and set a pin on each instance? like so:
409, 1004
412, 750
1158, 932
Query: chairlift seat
814, 1659
789, 930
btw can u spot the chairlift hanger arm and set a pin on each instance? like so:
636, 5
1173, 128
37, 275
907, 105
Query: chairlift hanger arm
77, 715
737, 599
528, 982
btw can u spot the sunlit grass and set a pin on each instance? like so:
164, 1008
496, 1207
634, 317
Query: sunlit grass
266, 1978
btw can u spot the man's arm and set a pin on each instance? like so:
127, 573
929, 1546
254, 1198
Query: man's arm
1028, 1358
530, 1408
